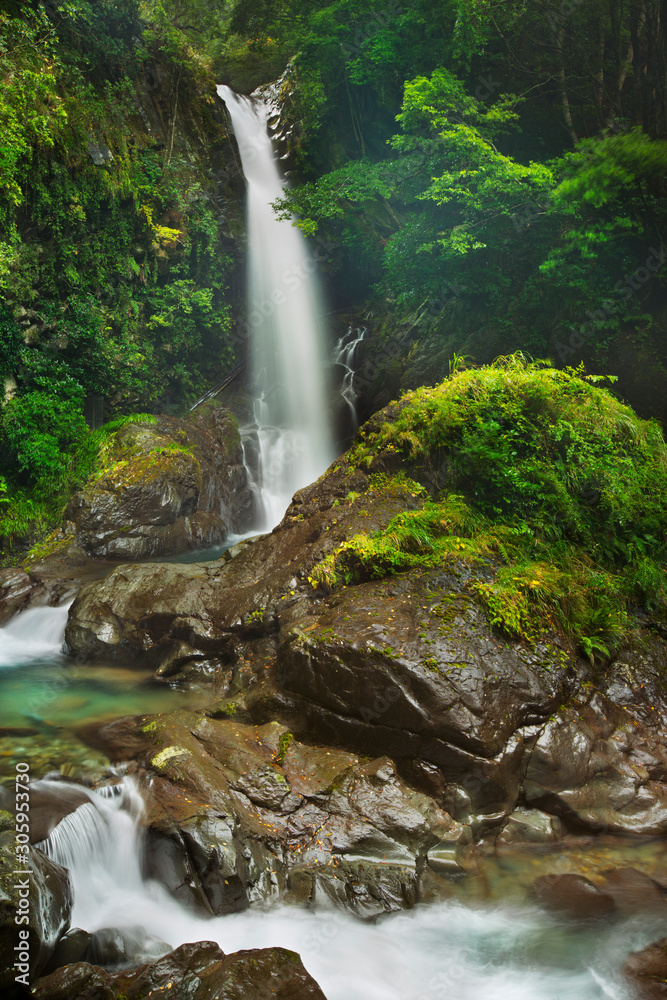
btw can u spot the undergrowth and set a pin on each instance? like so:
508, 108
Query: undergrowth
547, 479
28, 516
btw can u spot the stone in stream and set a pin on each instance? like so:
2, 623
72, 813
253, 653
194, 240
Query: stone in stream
240, 813
119, 947
47, 902
192, 972
572, 896
634, 893
647, 971
71, 948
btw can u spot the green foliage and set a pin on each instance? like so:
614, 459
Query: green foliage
550, 479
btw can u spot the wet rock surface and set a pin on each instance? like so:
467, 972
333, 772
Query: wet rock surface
646, 970
43, 894
600, 769
573, 896
406, 667
196, 971
19, 589
169, 487
240, 813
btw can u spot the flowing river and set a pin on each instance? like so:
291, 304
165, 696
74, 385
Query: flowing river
445, 951
484, 943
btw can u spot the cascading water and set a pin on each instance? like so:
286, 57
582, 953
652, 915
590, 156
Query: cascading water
344, 355
291, 431
34, 634
444, 951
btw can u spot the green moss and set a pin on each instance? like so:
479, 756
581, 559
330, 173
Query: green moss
152, 727
283, 746
549, 481
53, 544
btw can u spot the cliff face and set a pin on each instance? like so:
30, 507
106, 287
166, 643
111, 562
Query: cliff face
123, 269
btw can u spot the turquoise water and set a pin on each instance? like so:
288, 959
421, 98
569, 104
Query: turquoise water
47, 699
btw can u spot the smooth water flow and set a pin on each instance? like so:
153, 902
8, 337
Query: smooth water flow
290, 444
35, 634
444, 951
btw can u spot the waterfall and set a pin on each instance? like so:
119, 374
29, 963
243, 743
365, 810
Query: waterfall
289, 444
34, 634
441, 950
344, 355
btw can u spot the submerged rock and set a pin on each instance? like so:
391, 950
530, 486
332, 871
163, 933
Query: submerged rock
635, 892
572, 896
192, 972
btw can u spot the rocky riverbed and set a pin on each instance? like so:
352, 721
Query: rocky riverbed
362, 745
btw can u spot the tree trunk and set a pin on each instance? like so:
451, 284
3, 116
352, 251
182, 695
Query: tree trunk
562, 85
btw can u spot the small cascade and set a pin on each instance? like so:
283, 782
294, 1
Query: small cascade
439, 950
100, 843
289, 443
35, 634
344, 355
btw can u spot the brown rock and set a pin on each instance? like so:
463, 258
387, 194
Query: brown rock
647, 971
572, 896
192, 972
254, 806
634, 892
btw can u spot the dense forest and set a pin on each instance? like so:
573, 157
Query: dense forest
477, 178
333, 549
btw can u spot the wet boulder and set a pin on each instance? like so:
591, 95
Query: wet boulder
647, 971
41, 900
192, 972
167, 486
600, 769
634, 893
410, 667
572, 896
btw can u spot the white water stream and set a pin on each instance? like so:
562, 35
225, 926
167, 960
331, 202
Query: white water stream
445, 951
34, 634
344, 355
291, 436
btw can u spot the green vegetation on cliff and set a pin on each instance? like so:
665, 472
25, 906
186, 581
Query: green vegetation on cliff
114, 268
542, 475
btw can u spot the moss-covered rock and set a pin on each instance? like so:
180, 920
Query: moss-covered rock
395, 612
161, 487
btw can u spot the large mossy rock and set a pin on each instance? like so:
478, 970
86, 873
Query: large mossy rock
196, 971
167, 487
240, 813
455, 593
49, 908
